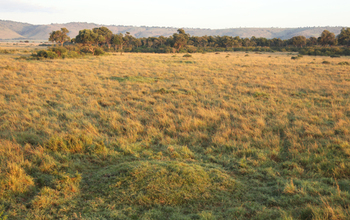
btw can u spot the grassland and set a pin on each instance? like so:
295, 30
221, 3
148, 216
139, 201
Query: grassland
150, 136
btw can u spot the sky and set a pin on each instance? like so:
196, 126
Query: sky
181, 13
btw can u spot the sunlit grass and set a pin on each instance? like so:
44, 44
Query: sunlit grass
157, 136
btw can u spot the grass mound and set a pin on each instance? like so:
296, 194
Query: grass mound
163, 183
187, 55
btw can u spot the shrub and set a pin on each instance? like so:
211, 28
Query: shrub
335, 56
98, 51
187, 55
71, 54
191, 49
46, 54
326, 62
86, 50
58, 50
297, 57
344, 63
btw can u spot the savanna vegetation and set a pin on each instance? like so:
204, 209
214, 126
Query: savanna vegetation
163, 136
101, 39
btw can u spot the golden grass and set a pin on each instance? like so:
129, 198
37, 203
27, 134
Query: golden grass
257, 121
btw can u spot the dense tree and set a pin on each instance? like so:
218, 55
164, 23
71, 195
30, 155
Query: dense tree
245, 42
252, 41
87, 38
59, 36
298, 41
118, 41
104, 36
327, 38
180, 39
344, 37
312, 41
136, 42
203, 41
276, 42
262, 42
162, 40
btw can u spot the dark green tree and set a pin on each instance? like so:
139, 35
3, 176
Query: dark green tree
180, 39
106, 35
59, 36
327, 38
298, 41
246, 42
87, 38
118, 42
344, 37
276, 42
312, 41
253, 41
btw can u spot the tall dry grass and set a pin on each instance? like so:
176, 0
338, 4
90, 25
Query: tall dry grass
248, 137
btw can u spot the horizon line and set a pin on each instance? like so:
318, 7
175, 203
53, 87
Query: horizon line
245, 27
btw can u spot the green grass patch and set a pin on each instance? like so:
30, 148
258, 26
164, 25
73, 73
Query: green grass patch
163, 183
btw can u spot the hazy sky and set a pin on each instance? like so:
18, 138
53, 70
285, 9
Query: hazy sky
181, 13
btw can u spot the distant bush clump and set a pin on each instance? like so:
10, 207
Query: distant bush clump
297, 57
59, 50
326, 62
45, 54
187, 55
344, 63
324, 51
71, 54
66, 52
7, 51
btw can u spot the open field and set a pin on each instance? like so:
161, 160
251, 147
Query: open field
160, 136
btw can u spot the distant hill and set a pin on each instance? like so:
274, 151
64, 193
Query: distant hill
10, 30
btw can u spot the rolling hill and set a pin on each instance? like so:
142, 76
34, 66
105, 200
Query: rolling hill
11, 30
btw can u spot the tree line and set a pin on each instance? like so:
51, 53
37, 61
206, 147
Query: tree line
102, 37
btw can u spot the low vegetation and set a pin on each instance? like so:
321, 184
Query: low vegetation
157, 136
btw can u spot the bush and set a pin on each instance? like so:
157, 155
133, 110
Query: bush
187, 55
46, 54
344, 63
191, 49
86, 50
98, 51
297, 57
71, 54
326, 62
58, 50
